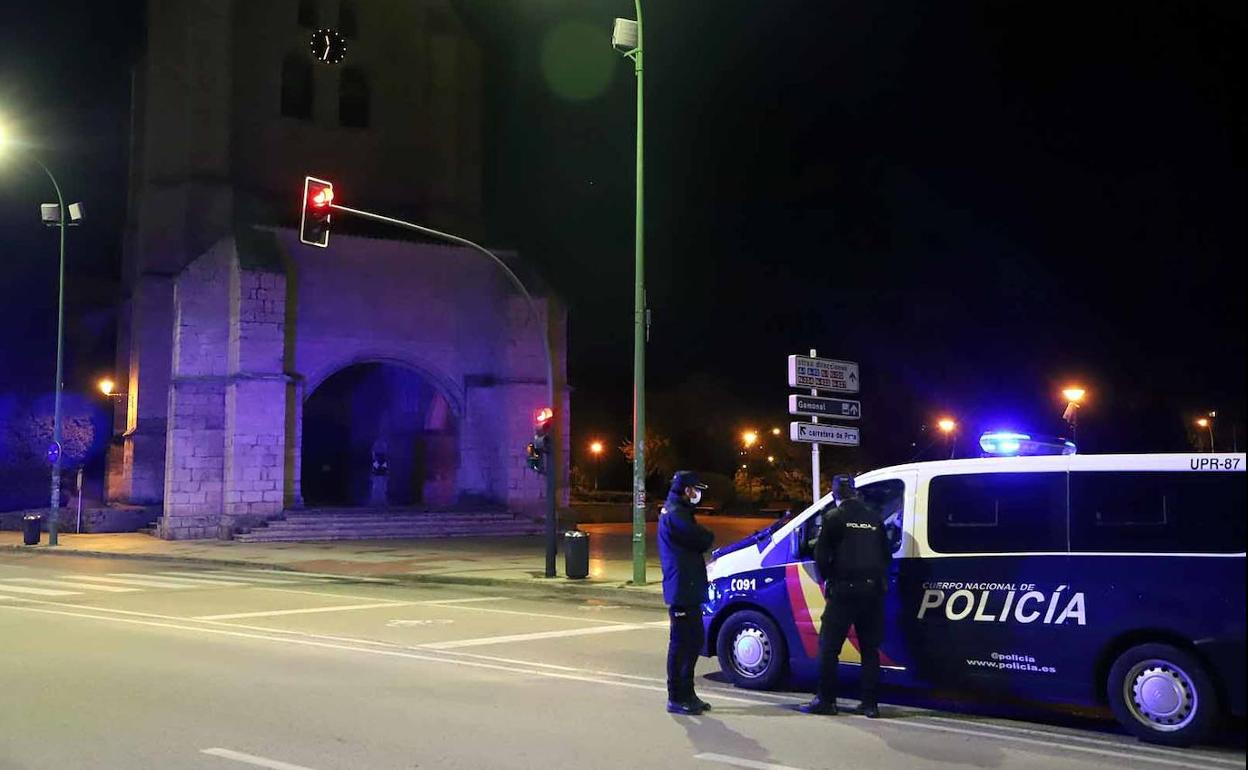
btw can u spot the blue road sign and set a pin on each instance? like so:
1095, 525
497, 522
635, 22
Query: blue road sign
54, 453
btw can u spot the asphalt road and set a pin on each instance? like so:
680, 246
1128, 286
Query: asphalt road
130, 664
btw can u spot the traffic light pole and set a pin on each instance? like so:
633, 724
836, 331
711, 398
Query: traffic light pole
639, 332
555, 405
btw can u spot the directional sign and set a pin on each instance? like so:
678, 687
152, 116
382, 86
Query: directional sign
825, 407
814, 433
54, 453
823, 373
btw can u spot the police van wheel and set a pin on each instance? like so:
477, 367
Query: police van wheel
1162, 694
752, 651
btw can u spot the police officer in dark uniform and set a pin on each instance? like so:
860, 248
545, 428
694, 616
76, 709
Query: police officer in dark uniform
682, 543
853, 554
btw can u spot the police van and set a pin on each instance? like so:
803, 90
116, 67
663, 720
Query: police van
1070, 579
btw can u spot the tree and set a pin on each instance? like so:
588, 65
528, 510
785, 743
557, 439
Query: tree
660, 459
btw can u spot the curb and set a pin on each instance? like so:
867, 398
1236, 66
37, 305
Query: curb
618, 593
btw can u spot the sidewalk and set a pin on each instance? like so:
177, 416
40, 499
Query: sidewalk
515, 562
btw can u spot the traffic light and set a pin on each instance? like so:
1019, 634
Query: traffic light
540, 448
314, 224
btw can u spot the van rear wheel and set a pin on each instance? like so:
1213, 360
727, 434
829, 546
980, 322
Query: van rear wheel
752, 651
1162, 694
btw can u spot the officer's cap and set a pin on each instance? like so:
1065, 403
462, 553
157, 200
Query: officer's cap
684, 479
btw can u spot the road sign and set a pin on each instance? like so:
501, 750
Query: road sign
814, 433
825, 407
823, 373
54, 453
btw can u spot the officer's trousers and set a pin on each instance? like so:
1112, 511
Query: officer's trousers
683, 647
859, 603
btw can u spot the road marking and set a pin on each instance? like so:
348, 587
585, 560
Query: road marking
1049, 744
209, 577
36, 591
466, 601
325, 595
73, 584
410, 623
572, 618
252, 759
299, 573
740, 762
453, 645
293, 580
303, 611
191, 582
1124, 743
130, 581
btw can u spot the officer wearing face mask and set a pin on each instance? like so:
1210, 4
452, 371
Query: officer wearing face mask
682, 543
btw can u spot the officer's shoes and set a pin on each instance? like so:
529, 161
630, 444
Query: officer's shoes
701, 703
688, 708
869, 711
819, 706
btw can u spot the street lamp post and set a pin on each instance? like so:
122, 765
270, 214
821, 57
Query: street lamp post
61, 221
947, 427
627, 38
595, 450
1074, 398
1207, 423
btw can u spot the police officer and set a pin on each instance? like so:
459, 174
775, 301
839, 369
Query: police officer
682, 543
852, 554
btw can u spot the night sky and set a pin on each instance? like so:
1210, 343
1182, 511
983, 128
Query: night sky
977, 201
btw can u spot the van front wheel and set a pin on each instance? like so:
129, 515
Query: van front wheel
1162, 694
752, 651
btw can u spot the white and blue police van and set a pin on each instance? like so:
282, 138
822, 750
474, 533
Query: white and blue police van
1066, 579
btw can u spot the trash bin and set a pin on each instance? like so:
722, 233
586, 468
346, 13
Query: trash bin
32, 525
576, 554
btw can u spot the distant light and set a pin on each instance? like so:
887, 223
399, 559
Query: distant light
595, 448
946, 425
1074, 395
771, 459
775, 431
543, 415
749, 438
106, 386
1203, 422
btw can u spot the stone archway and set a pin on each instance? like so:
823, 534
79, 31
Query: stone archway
379, 405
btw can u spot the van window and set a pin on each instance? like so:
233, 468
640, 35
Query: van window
997, 513
1154, 512
888, 499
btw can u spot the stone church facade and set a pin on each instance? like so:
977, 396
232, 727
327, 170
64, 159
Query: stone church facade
263, 374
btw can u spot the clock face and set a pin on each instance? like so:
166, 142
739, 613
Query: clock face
328, 47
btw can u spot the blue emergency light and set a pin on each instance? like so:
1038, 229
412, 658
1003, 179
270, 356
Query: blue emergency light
1004, 443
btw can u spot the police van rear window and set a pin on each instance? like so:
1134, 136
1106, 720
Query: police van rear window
1153, 512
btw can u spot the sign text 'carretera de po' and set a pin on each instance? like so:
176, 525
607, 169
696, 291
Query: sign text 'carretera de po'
815, 406
814, 433
823, 374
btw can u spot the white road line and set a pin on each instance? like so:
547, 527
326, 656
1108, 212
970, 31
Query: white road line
255, 579
571, 618
36, 591
325, 595
1049, 744
724, 759
304, 611
130, 581
465, 601
297, 573
193, 582
1058, 737
252, 759
453, 645
74, 584
204, 577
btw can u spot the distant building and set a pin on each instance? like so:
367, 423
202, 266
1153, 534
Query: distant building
262, 374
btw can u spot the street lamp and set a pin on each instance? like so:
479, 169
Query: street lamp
749, 438
1207, 422
948, 426
775, 431
55, 215
595, 450
1074, 399
626, 37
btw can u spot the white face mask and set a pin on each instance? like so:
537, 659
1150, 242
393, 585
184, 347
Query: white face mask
695, 496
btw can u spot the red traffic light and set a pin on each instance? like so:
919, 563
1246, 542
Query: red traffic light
318, 199
543, 416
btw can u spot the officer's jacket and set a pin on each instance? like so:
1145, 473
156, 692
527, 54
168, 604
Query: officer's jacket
682, 541
853, 543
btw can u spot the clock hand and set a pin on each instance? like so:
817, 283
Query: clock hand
325, 57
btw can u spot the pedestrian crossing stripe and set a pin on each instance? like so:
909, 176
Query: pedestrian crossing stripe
75, 584
128, 582
35, 591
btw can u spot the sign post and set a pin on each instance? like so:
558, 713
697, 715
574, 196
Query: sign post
830, 375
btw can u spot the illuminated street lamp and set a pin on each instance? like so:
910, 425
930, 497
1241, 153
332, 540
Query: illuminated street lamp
947, 426
1074, 399
1207, 422
749, 438
595, 450
775, 431
60, 216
